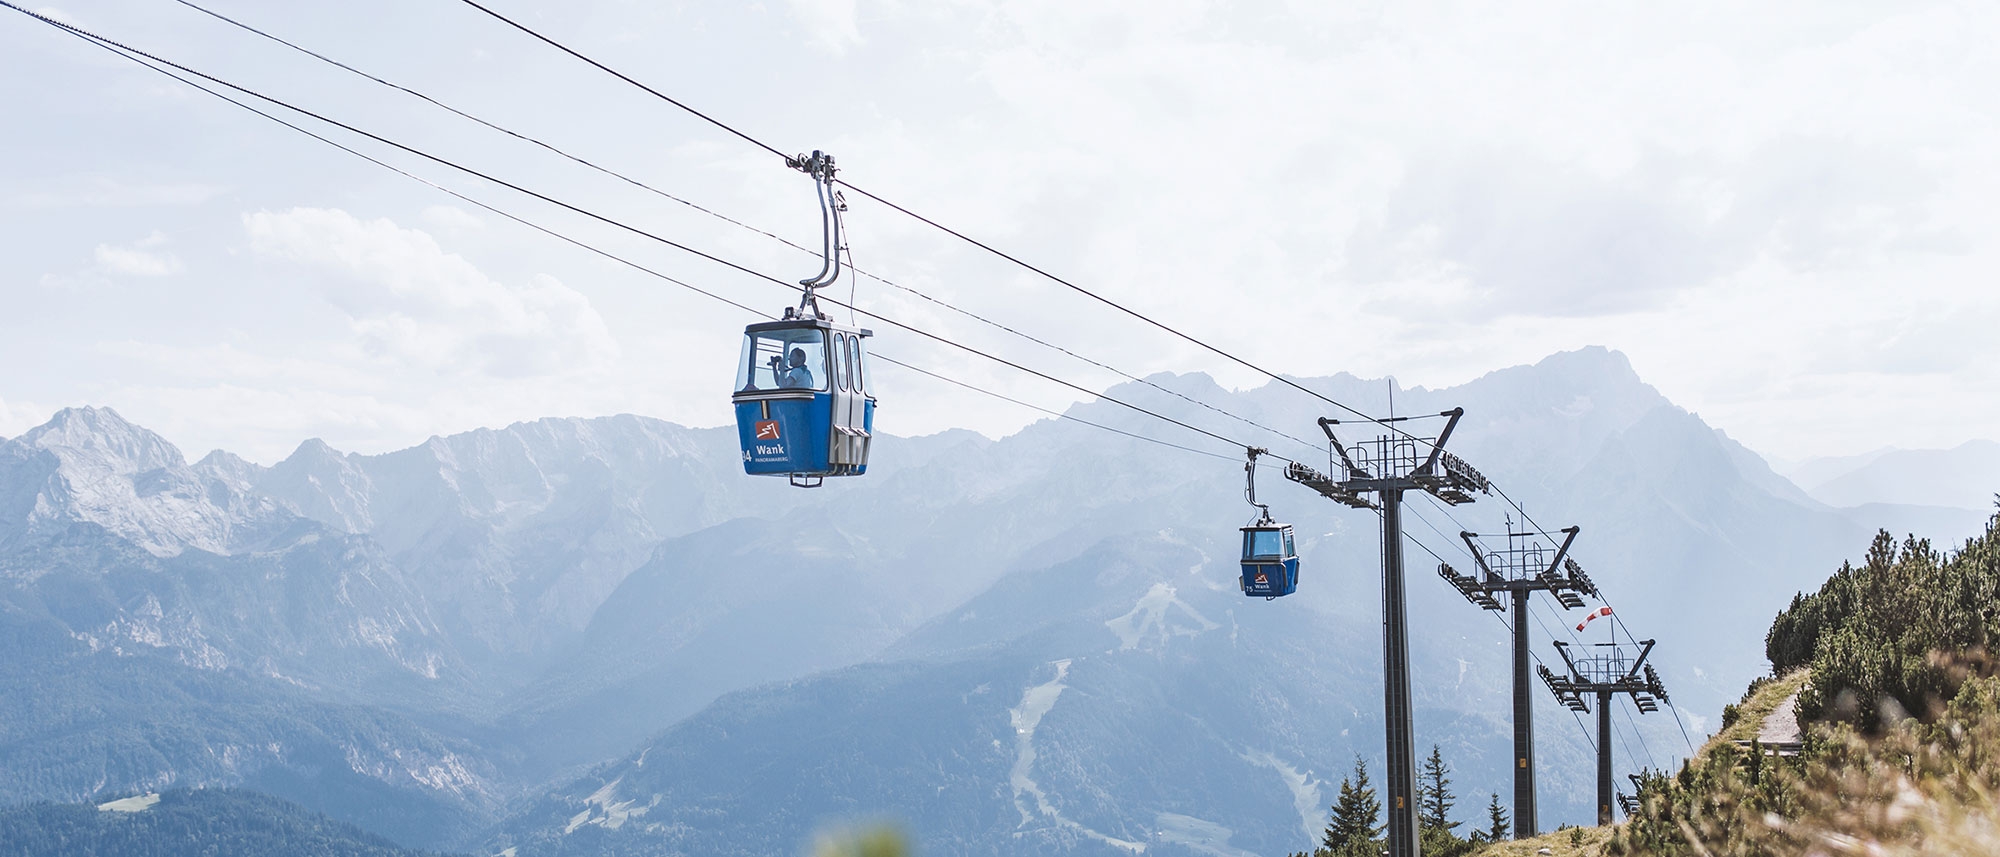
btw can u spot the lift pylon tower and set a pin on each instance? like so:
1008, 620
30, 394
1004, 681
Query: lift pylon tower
1387, 466
1604, 670
1526, 565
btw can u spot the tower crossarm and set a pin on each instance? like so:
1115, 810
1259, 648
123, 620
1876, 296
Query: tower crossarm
1580, 581
1326, 486
1470, 588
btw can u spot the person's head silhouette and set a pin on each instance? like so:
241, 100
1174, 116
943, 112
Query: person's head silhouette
798, 357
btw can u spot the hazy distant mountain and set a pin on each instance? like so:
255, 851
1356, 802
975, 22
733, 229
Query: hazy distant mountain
180, 822
1819, 469
1126, 697
447, 630
1966, 476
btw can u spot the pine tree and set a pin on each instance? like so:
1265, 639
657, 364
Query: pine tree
1357, 816
1434, 797
1496, 819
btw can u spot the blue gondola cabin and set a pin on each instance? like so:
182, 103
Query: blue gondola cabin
803, 403
1270, 565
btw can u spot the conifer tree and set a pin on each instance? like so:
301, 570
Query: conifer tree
1357, 817
1434, 797
1496, 819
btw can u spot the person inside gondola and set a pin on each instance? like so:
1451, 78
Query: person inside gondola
796, 375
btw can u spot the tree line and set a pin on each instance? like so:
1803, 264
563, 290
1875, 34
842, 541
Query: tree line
1354, 825
1900, 716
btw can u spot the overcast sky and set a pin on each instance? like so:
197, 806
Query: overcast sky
1783, 217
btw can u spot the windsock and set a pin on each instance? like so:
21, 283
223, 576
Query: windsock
1601, 611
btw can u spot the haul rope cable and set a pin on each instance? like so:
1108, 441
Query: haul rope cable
961, 236
1601, 597
93, 37
941, 227
1629, 718
81, 33
1616, 619
593, 249
1629, 755
1588, 739
1415, 513
720, 216
136, 55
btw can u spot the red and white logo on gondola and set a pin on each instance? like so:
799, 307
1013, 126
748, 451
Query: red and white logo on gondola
1261, 579
767, 429
1601, 611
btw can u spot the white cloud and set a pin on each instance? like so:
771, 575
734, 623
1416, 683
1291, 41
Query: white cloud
107, 192
139, 259
412, 302
451, 217
18, 417
830, 22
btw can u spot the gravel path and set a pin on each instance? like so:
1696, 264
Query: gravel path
1782, 727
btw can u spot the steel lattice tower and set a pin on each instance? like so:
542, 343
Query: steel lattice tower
1605, 670
1387, 466
1526, 565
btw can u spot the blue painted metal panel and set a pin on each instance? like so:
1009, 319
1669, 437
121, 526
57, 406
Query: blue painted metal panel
1270, 578
795, 438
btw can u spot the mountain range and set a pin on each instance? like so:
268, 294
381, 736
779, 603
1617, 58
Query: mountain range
597, 636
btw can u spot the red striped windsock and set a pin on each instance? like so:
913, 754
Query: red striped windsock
1601, 611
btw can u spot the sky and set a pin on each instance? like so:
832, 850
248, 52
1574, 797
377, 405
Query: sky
1780, 213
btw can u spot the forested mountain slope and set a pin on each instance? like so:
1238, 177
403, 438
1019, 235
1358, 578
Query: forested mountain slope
181, 823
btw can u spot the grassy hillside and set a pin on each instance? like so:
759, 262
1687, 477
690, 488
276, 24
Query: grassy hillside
1899, 704
1743, 721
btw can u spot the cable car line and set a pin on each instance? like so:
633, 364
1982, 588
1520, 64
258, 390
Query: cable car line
529, 31
1617, 618
948, 230
93, 37
1588, 738
1629, 719
615, 73
135, 54
135, 57
1056, 414
1626, 709
124, 51
723, 217
491, 125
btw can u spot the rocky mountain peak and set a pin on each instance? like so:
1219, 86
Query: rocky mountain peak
91, 465
99, 439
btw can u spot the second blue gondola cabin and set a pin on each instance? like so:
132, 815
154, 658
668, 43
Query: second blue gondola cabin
1270, 565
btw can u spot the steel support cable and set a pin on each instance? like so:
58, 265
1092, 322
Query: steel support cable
614, 257
1570, 631
723, 217
1588, 739
955, 233
1057, 414
946, 229
1616, 618
1629, 755
81, 33
615, 73
1630, 706
1495, 613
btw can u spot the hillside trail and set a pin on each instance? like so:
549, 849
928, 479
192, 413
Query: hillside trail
1781, 727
